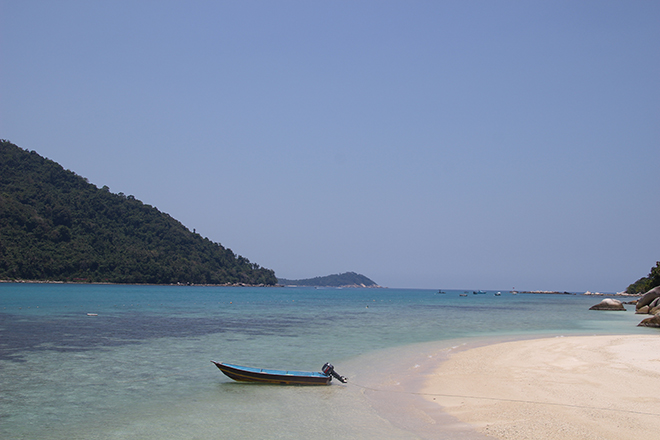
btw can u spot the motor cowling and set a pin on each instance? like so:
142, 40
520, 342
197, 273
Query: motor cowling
329, 370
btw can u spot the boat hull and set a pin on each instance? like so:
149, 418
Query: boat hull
281, 377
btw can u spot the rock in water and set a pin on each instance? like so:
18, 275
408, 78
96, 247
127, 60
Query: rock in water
642, 310
653, 321
654, 307
609, 304
648, 297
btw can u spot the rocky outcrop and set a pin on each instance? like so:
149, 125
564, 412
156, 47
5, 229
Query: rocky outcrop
654, 307
648, 298
653, 321
609, 304
649, 304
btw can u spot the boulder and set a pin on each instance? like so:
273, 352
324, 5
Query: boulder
642, 310
654, 307
609, 304
653, 321
648, 297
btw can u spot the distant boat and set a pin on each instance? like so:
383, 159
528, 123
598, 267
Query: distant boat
441, 292
498, 293
283, 377
463, 294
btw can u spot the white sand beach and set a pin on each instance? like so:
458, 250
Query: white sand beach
586, 387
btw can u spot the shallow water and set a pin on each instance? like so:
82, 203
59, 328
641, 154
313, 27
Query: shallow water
140, 368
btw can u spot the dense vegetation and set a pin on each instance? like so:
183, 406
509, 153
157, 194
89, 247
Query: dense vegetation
340, 280
646, 283
55, 225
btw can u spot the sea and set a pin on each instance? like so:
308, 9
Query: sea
81, 361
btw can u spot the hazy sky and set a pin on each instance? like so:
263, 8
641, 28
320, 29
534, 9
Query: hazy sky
428, 144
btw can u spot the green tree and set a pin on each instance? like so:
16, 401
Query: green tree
647, 283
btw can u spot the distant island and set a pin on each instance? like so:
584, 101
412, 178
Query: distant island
56, 226
346, 279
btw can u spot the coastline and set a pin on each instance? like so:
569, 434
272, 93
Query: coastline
393, 381
587, 387
104, 283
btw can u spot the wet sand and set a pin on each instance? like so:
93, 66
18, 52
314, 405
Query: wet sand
578, 387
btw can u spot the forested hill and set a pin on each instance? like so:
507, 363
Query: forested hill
55, 225
347, 279
648, 282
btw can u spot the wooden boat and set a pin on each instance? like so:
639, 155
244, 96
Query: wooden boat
249, 374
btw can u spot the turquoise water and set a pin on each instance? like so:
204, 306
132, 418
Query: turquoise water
140, 368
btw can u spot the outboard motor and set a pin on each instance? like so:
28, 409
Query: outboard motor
329, 370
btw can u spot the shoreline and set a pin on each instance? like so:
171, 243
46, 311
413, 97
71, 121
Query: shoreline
595, 386
83, 282
393, 381
107, 283
587, 387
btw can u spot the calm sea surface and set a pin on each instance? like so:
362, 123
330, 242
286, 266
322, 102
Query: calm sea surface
141, 367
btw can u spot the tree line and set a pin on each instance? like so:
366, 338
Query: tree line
648, 282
